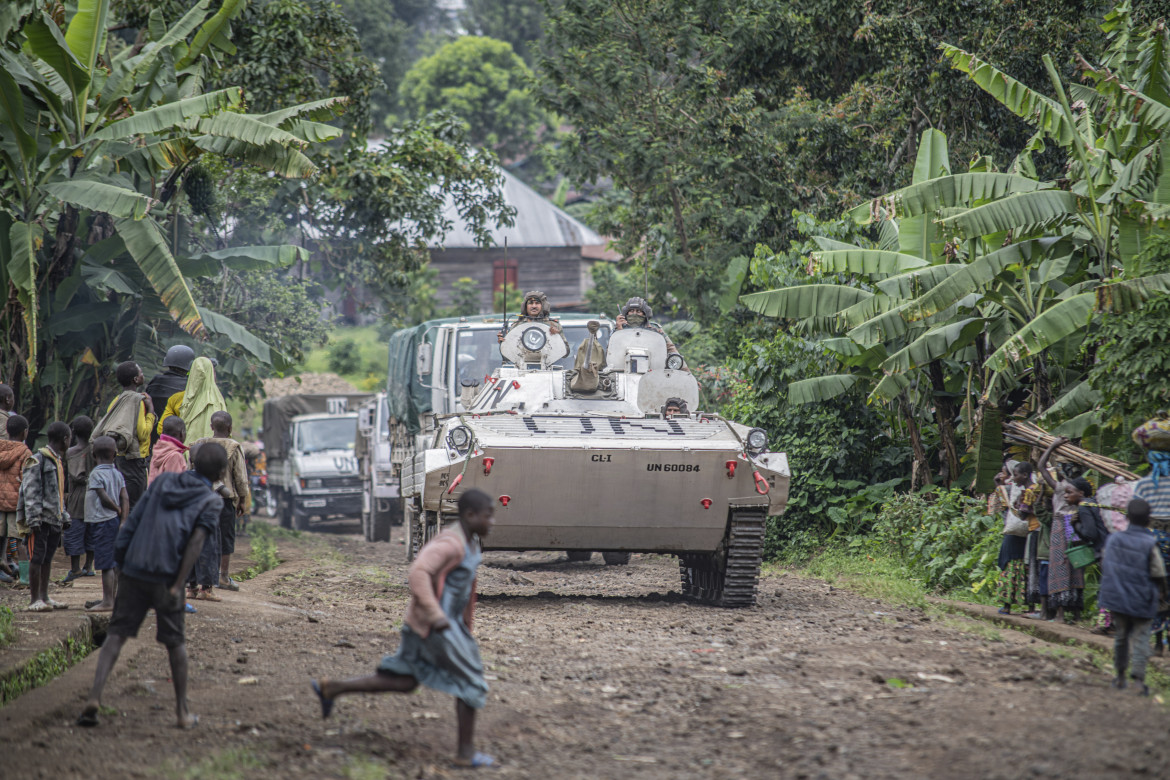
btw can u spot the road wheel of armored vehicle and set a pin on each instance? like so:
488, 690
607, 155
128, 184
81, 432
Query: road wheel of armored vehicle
579, 556
728, 578
616, 558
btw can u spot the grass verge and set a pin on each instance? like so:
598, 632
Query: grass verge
7, 626
264, 555
45, 667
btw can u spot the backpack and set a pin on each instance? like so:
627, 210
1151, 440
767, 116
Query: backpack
121, 423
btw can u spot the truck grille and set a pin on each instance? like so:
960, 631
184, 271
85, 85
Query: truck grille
602, 427
341, 482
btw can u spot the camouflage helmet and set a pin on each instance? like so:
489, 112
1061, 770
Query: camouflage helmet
638, 303
678, 403
537, 295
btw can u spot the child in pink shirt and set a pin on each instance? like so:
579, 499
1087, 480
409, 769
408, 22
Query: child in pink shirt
170, 453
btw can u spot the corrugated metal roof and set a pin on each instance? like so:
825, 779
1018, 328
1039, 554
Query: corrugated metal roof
539, 223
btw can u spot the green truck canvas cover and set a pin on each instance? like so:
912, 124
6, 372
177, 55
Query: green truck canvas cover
278, 412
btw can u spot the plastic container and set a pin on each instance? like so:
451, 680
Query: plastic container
23, 566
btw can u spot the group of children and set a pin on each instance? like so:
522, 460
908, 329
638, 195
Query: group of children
80, 489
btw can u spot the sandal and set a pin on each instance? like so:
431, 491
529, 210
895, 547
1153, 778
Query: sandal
38, 606
208, 595
57, 604
478, 761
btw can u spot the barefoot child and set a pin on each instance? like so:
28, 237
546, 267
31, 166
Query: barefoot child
107, 505
437, 648
78, 462
237, 497
155, 550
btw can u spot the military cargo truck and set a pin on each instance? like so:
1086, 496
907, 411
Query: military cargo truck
381, 507
310, 444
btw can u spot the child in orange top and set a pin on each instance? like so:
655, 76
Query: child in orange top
437, 648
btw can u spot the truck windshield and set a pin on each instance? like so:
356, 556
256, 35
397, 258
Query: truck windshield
318, 435
478, 351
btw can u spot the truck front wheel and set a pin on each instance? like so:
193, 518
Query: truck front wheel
283, 504
300, 518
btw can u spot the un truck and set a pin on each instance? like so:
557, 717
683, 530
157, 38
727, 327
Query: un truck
381, 508
310, 442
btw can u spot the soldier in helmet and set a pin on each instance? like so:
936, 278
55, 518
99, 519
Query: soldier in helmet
535, 309
173, 379
636, 314
675, 407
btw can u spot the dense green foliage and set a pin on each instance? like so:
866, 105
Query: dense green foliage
484, 83
833, 449
516, 21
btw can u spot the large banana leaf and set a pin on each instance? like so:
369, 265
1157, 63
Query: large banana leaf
829, 244
865, 261
1042, 112
282, 160
969, 278
821, 388
867, 309
1025, 209
317, 110
807, 300
961, 189
150, 252
1076, 427
888, 325
46, 41
80, 318
127, 73
312, 132
988, 448
243, 258
935, 343
1077, 399
918, 235
1129, 295
1047, 328
737, 269
212, 29
86, 35
224, 326
169, 115
245, 128
916, 282
101, 197
24, 240
13, 116
890, 386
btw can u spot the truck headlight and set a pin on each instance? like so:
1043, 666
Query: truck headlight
757, 440
312, 484
533, 339
674, 361
459, 438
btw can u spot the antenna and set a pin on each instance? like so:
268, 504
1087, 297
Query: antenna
505, 283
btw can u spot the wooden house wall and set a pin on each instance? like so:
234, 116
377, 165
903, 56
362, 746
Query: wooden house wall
561, 272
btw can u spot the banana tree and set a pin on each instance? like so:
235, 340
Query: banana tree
94, 144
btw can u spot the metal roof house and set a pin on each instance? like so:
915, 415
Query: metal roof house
547, 250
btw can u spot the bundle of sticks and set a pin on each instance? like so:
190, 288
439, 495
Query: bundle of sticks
1028, 433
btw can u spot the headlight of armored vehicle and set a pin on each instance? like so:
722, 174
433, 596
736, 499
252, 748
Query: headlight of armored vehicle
459, 438
757, 440
674, 361
533, 339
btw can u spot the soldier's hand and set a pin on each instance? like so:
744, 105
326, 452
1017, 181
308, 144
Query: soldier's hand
500, 337
621, 321
554, 329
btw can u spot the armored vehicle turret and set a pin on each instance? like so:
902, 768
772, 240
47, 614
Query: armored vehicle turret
586, 458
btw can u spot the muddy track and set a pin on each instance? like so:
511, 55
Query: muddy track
595, 671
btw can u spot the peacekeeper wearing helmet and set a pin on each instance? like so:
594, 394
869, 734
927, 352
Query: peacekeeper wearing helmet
535, 309
173, 379
636, 314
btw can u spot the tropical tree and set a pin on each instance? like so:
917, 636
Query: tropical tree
484, 83
95, 141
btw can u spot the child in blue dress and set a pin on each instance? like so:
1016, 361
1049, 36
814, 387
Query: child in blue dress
437, 648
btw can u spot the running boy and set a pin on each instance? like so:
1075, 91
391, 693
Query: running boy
41, 507
79, 461
437, 648
107, 505
1133, 578
155, 550
13, 454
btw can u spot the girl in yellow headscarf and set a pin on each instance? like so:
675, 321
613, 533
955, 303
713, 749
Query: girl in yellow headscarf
197, 402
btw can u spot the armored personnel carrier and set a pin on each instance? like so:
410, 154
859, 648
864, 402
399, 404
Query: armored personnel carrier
584, 458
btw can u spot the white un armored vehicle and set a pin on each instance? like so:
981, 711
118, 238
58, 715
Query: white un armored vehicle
581, 457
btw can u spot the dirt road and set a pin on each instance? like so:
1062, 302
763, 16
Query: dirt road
595, 672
